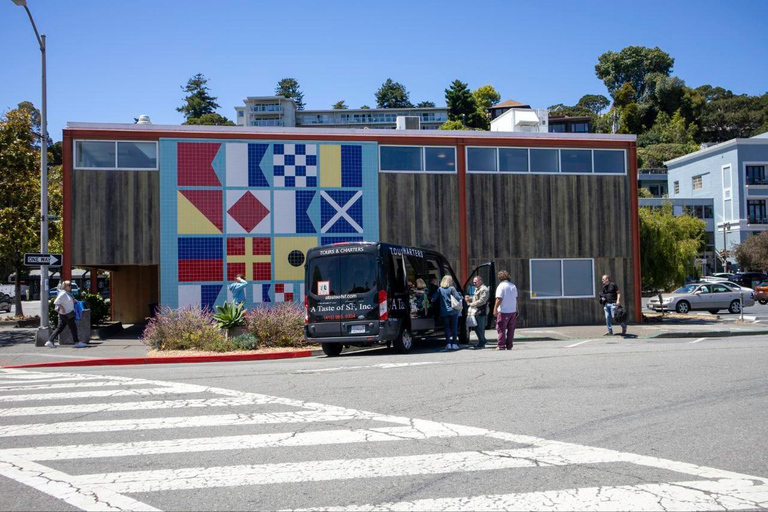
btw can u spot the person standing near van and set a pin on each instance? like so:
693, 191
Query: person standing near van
478, 304
610, 298
65, 307
505, 310
238, 289
450, 316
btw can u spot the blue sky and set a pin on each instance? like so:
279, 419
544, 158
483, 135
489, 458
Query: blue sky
110, 61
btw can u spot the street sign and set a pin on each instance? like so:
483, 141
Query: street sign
35, 259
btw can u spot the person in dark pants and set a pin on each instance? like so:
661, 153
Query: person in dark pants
450, 316
65, 307
610, 298
478, 307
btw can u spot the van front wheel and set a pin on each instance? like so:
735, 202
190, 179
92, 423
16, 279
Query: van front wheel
332, 349
404, 343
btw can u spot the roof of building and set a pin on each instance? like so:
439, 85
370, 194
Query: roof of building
364, 110
511, 104
314, 132
758, 140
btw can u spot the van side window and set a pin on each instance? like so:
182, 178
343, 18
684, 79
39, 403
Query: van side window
396, 273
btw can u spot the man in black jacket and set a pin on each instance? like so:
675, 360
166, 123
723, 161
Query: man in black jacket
610, 298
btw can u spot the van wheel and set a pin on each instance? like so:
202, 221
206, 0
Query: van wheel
332, 349
735, 307
404, 343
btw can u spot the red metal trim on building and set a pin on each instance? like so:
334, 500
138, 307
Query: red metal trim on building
66, 150
461, 164
635, 220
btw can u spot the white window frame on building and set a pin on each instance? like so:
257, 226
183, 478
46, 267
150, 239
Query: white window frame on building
116, 167
562, 295
559, 160
697, 182
423, 151
727, 191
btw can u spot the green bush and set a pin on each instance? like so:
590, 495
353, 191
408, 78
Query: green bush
99, 307
245, 341
280, 325
53, 315
189, 328
229, 316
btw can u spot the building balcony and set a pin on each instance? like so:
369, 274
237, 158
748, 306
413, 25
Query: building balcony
265, 108
266, 122
653, 170
757, 220
756, 181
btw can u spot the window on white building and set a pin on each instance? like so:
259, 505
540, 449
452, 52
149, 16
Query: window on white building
697, 182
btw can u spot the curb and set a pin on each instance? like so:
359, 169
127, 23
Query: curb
122, 361
708, 334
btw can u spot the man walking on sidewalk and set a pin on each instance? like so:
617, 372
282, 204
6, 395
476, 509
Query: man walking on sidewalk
65, 306
505, 310
610, 298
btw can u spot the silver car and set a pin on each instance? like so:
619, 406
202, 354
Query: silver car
710, 297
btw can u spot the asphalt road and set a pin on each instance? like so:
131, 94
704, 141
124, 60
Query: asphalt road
606, 423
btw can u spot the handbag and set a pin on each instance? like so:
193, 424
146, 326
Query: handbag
456, 304
619, 314
471, 321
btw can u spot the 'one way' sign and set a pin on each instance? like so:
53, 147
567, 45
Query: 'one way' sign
34, 259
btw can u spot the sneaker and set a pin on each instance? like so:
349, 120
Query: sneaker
447, 348
609, 333
454, 347
82, 344
50, 344
478, 347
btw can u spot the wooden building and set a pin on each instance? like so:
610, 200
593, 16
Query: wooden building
175, 211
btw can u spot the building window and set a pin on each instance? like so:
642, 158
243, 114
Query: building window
756, 212
240, 113
579, 128
123, 155
576, 160
513, 160
544, 160
562, 278
677, 187
697, 182
557, 128
417, 159
481, 159
610, 161
756, 175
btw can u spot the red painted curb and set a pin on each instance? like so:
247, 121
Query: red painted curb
118, 361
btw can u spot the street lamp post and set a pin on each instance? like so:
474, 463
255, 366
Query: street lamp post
44, 330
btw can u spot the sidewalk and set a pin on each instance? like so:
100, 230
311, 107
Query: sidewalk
17, 346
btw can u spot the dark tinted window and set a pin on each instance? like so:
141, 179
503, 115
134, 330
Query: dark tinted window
354, 273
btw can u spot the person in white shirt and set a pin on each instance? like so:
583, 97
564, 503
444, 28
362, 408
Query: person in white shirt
505, 310
65, 307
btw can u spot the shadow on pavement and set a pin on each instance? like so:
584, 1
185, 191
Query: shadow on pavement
11, 337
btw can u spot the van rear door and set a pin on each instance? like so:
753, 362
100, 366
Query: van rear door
342, 290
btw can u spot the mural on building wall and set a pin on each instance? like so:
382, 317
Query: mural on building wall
256, 208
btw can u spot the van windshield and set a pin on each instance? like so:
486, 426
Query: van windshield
343, 274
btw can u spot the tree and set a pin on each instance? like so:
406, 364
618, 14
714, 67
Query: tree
595, 103
460, 101
392, 94
453, 125
19, 194
198, 101
486, 96
631, 65
644, 193
655, 155
289, 87
340, 105
212, 119
752, 253
425, 104
56, 154
365, 107
668, 246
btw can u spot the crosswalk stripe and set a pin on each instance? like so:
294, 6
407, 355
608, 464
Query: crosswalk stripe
20, 379
84, 496
308, 471
421, 430
131, 406
223, 420
172, 390
82, 385
697, 495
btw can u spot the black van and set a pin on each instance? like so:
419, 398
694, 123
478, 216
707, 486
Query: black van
367, 293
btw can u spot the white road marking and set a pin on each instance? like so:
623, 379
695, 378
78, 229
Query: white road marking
382, 366
69, 386
419, 431
699, 495
85, 496
580, 343
112, 393
698, 340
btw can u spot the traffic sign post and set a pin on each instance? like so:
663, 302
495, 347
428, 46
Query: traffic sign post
35, 259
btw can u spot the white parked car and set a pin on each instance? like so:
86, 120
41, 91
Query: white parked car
710, 297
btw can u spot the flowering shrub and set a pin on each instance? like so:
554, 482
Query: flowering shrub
188, 328
279, 325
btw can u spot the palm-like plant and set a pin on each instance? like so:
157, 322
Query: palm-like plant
229, 315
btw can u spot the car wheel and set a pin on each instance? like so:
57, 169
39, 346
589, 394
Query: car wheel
683, 307
332, 349
404, 343
763, 302
735, 307
714, 311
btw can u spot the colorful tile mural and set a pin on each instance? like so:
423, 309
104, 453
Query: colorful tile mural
256, 208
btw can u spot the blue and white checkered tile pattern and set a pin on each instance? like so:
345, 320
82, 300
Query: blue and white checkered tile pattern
295, 165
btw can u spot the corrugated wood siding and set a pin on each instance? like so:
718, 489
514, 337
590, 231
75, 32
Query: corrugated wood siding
420, 210
115, 218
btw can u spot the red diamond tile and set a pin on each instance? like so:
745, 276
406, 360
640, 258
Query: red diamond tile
248, 212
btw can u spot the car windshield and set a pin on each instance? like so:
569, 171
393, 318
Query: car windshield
686, 289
